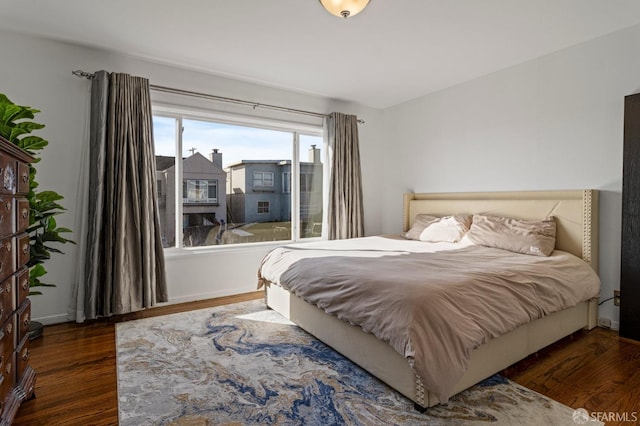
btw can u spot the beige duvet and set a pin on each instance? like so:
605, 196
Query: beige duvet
433, 303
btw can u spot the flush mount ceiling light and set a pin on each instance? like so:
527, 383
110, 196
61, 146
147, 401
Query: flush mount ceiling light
344, 8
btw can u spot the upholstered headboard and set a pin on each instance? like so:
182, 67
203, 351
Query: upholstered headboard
575, 212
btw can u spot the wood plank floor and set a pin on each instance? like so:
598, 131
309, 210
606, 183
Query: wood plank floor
76, 368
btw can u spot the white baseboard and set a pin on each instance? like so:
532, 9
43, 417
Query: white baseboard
202, 296
607, 323
60, 318
52, 319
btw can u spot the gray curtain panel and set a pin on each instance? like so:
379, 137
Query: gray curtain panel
124, 262
346, 213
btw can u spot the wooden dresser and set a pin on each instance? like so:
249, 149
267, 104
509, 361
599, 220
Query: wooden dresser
17, 378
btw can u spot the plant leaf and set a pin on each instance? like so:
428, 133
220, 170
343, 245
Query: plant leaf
37, 271
32, 143
10, 112
5, 131
29, 126
15, 132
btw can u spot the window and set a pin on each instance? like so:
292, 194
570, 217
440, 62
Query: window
200, 191
237, 180
286, 182
263, 207
262, 179
306, 182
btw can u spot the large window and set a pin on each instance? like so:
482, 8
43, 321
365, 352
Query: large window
237, 180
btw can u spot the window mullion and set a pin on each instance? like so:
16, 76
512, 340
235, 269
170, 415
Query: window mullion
295, 188
178, 185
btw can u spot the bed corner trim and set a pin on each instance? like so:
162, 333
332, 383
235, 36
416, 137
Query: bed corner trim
590, 242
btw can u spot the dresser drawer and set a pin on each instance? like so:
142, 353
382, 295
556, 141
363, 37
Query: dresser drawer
5, 345
7, 364
24, 318
23, 250
22, 357
9, 331
7, 298
4, 392
8, 175
7, 258
22, 214
7, 215
22, 178
22, 286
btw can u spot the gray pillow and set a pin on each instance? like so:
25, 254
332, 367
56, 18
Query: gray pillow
419, 223
536, 237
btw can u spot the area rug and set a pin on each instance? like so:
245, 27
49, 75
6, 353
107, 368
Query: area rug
243, 364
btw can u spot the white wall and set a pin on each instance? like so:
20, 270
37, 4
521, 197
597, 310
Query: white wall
37, 72
551, 123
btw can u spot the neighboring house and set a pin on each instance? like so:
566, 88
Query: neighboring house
204, 202
260, 190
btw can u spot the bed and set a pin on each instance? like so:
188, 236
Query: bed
575, 214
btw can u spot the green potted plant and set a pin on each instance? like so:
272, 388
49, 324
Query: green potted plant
16, 126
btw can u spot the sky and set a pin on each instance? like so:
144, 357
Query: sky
234, 142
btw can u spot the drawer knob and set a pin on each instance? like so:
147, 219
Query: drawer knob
8, 246
25, 249
8, 369
9, 328
25, 285
25, 213
7, 205
25, 355
25, 177
26, 321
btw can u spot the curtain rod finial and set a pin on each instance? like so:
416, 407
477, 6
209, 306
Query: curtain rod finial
83, 74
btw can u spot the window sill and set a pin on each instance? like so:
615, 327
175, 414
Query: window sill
196, 203
173, 252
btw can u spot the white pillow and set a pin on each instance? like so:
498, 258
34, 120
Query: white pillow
448, 229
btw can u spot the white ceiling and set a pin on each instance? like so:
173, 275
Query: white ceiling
395, 50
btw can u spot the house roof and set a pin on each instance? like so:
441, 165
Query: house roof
164, 162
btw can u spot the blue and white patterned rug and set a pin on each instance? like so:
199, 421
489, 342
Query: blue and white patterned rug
242, 364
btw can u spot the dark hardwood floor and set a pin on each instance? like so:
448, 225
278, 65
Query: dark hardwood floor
76, 367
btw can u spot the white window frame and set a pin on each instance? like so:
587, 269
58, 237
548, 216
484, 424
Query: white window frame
260, 176
179, 113
200, 183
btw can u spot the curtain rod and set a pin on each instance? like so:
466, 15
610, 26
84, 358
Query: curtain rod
254, 105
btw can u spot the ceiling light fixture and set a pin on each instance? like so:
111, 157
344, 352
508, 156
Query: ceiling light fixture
344, 8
